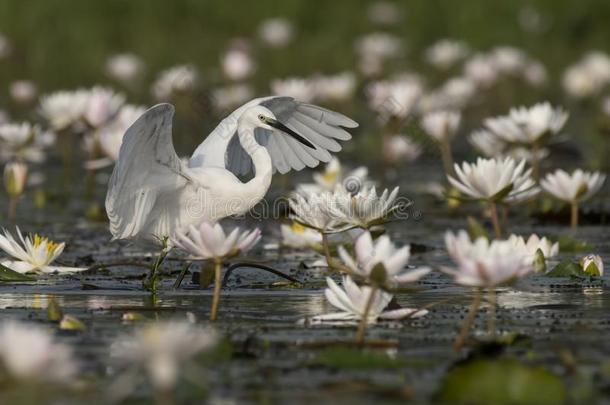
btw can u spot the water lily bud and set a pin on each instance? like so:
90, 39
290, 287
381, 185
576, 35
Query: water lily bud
592, 265
69, 322
15, 174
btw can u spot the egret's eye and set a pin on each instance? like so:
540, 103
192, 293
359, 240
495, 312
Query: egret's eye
261, 117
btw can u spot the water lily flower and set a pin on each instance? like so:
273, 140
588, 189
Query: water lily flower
370, 255
445, 53
482, 70
15, 176
32, 253
365, 208
336, 88
299, 236
588, 76
378, 45
23, 91
162, 350
311, 210
64, 109
124, 67
508, 59
592, 265
209, 241
276, 32
396, 98
236, 63
352, 302
528, 125
533, 245
231, 96
108, 139
397, 148
495, 181
29, 352
102, 105
300, 88
24, 141
333, 176
573, 188
487, 143
482, 263
177, 79
442, 126
384, 12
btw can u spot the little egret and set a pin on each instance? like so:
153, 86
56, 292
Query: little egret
152, 192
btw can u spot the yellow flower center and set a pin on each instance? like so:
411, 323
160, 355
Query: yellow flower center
51, 246
330, 176
297, 228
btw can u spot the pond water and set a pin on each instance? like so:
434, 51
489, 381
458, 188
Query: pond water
271, 355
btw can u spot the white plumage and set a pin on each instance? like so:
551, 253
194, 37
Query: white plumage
152, 192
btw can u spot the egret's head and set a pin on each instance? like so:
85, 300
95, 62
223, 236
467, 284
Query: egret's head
263, 117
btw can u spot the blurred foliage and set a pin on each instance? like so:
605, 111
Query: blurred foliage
60, 43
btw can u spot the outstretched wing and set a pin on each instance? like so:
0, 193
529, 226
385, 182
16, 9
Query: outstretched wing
147, 166
322, 127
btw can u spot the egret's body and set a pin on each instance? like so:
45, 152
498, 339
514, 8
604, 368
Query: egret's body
152, 193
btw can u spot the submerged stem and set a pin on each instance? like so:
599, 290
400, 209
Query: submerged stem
217, 286
447, 157
472, 313
365, 317
574, 215
494, 219
12, 208
491, 320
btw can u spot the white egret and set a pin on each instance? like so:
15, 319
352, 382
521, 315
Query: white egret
152, 193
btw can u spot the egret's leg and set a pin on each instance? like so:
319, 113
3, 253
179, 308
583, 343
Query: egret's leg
150, 282
217, 287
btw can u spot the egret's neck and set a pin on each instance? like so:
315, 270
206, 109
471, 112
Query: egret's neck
263, 168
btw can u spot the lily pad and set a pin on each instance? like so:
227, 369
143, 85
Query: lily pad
499, 382
8, 275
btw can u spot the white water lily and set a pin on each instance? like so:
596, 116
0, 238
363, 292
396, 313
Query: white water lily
231, 96
333, 176
378, 45
592, 265
102, 105
64, 109
528, 125
276, 32
312, 210
177, 79
352, 300
110, 137
209, 241
300, 88
299, 236
396, 98
336, 88
24, 141
481, 263
33, 253
445, 53
162, 350
398, 148
236, 63
124, 67
23, 91
535, 243
588, 76
369, 255
482, 70
365, 208
442, 126
486, 178
29, 352
487, 143
575, 187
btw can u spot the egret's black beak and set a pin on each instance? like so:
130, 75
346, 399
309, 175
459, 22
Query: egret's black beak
278, 125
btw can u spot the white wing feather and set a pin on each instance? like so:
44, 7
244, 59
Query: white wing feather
322, 127
146, 168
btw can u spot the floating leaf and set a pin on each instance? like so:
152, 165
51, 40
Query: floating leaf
499, 382
8, 275
342, 357
567, 268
